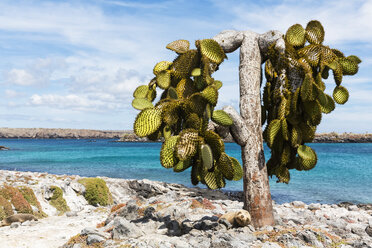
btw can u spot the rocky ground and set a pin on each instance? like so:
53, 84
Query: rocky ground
156, 214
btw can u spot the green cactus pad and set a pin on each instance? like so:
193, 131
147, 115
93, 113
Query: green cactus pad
182, 165
284, 128
185, 63
327, 104
211, 180
187, 144
355, 59
308, 157
311, 53
197, 104
338, 53
273, 129
225, 165
215, 142
179, 46
141, 91
286, 155
163, 79
147, 122
161, 66
217, 84
151, 95
315, 32
185, 88
170, 112
307, 89
167, 132
238, 170
283, 174
296, 137
141, 103
210, 94
307, 132
212, 50
349, 66
167, 157
313, 109
206, 156
221, 118
193, 121
295, 35
337, 71
196, 72
340, 94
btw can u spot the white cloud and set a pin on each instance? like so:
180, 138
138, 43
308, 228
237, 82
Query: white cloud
20, 77
343, 20
13, 94
92, 102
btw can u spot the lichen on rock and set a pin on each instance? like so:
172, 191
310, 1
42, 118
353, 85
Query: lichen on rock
16, 198
96, 191
30, 197
58, 201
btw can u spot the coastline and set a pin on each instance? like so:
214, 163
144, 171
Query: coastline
129, 136
147, 213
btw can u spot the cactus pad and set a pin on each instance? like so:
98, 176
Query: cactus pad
179, 46
167, 158
147, 122
238, 170
161, 66
222, 118
206, 156
340, 94
212, 50
163, 79
187, 144
349, 66
141, 91
182, 165
296, 35
315, 32
141, 103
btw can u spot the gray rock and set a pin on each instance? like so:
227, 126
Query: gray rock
270, 245
124, 229
93, 231
130, 211
174, 228
314, 206
77, 187
298, 204
71, 214
358, 229
187, 226
353, 208
369, 230
15, 225
92, 238
309, 237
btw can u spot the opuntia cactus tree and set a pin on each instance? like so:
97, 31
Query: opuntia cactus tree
291, 105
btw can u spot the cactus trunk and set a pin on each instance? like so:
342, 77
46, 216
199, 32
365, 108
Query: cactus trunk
247, 130
257, 197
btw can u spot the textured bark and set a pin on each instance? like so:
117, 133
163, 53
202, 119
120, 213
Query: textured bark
247, 129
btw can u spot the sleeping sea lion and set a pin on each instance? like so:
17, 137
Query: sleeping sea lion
17, 218
240, 218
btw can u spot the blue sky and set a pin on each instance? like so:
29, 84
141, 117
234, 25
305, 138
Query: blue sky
75, 64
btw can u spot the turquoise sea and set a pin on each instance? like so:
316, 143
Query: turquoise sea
343, 172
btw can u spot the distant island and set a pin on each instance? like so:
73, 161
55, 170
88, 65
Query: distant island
129, 136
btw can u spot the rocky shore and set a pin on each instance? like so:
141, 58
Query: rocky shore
129, 136
143, 213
